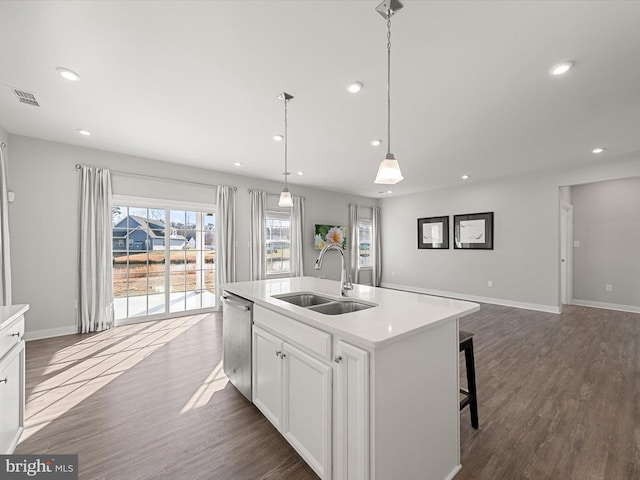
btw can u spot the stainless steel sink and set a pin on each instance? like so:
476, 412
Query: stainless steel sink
338, 308
304, 299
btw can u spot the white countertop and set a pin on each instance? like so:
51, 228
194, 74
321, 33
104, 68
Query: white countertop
10, 312
398, 314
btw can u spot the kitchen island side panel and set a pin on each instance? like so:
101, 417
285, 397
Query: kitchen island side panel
415, 406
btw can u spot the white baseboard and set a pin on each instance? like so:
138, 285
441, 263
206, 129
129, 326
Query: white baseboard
607, 306
475, 298
453, 473
50, 332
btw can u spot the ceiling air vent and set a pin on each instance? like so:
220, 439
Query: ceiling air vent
25, 97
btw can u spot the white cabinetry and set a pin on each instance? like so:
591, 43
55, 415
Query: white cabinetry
294, 391
267, 375
352, 413
307, 408
12, 369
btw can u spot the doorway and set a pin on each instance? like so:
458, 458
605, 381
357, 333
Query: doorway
566, 253
163, 261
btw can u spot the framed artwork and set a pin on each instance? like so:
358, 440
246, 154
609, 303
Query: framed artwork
473, 231
433, 232
329, 234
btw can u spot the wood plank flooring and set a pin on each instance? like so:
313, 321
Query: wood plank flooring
558, 399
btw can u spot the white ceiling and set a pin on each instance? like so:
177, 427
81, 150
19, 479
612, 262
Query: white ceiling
196, 83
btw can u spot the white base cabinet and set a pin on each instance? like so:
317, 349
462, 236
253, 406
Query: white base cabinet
294, 391
319, 402
355, 413
12, 377
307, 408
351, 458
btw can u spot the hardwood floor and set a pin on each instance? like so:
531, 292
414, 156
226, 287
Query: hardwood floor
558, 400
558, 395
149, 401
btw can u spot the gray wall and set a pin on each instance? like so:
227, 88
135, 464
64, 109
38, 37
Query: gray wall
606, 223
524, 265
43, 219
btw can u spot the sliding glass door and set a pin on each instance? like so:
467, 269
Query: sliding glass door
163, 261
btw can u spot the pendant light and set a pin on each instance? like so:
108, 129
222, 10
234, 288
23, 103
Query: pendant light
285, 196
389, 170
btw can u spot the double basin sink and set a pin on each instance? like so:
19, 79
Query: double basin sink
321, 304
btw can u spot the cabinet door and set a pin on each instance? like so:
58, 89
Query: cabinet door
11, 399
352, 413
267, 375
307, 408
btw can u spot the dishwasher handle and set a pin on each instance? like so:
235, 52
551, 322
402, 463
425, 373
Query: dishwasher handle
227, 300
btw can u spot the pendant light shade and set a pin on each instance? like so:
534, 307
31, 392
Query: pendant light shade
285, 196
389, 171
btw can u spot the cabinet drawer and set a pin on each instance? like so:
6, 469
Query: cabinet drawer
11, 335
311, 339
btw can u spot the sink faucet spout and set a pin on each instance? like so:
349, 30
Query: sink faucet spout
345, 283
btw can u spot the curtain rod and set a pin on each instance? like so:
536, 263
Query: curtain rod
249, 190
140, 175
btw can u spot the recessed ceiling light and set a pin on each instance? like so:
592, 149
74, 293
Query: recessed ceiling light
300, 172
465, 177
561, 68
84, 132
354, 87
376, 142
598, 150
238, 164
68, 74
278, 138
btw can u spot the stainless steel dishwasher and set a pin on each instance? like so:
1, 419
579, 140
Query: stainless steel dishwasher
237, 318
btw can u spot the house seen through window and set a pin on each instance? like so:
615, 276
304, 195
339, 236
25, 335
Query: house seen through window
278, 242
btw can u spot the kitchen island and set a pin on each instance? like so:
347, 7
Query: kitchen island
370, 394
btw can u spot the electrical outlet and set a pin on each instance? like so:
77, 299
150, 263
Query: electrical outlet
490, 284
576, 243
608, 288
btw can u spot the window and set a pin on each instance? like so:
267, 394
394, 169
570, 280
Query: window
364, 244
278, 238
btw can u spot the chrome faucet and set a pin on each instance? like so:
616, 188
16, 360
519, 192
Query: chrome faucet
345, 285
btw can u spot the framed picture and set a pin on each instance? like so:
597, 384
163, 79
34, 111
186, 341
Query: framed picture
473, 231
324, 234
433, 232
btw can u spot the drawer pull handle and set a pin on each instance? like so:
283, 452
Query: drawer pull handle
279, 353
15, 334
283, 355
5, 380
338, 358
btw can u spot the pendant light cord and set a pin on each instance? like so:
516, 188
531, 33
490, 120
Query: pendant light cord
389, 13
285, 142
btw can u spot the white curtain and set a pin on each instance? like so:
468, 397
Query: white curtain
376, 247
257, 230
95, 296
5, 250
354, 231
297, 227
225, 237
